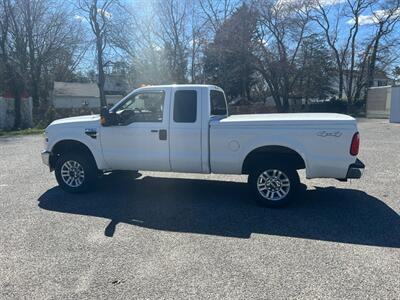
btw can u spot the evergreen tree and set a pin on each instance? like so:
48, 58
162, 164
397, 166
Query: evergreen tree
228, 59
316, 69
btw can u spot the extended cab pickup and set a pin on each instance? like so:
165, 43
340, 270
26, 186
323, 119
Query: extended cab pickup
186, 128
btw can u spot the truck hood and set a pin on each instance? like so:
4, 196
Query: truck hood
90, 120
288, 119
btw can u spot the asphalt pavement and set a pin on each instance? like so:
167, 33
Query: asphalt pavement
188, 236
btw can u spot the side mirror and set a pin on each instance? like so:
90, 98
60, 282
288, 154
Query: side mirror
106, 118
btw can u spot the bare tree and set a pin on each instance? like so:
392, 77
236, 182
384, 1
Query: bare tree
356, 57
99, 15
356, 8
198, 40
216, 13
385, 21
13, 46
378, 45
48, 32
331, 29
143, 46
173, 18
34, 36
281, 30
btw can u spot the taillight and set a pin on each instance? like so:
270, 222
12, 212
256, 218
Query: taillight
355, 144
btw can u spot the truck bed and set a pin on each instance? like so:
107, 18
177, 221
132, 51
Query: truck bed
322, 139
292, 118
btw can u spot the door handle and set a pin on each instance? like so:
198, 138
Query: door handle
162, 134
154, 130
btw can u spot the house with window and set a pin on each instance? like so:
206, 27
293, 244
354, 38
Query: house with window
380, 79
76, 98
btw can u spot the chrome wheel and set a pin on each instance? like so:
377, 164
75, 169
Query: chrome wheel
72, 173
273, 184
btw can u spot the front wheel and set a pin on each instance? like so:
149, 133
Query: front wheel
75, 173
274, 184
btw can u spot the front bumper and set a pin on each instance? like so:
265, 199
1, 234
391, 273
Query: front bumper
355, 170
46, 157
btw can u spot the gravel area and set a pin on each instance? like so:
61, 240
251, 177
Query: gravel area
182, 236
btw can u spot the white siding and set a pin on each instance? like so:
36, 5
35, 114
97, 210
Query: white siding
80, 102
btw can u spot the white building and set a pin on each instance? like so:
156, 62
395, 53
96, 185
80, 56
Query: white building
380, 79
380, 101
74, 95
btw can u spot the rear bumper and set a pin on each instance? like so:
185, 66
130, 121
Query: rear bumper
46, 157
355, 170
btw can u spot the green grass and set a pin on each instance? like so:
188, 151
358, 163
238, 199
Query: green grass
28, 131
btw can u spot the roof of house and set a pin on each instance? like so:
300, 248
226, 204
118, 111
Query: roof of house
379, 74
76, 89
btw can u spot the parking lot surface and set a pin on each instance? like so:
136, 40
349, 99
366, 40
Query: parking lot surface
171, 236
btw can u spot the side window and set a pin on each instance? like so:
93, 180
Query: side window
218, 103
185, 106
143, 107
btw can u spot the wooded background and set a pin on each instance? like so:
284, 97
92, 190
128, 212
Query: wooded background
254, 49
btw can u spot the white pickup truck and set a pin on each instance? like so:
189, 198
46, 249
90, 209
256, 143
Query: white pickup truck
186, 128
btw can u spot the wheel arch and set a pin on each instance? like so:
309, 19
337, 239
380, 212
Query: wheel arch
70, 146
272, 153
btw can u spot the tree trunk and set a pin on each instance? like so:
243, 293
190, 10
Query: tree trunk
33, 65
35, 95
361, 81
352, 65
307, 91
192, 64
278, 103
274, 93
285, 95
100, 66
277, 99
371, 68
17, 105
285, 106
341, 83
248, 96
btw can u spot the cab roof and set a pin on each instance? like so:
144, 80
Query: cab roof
163, 86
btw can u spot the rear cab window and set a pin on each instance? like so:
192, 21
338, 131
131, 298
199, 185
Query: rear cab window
218, 103
185, 106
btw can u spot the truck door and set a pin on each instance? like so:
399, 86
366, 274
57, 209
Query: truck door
141, 142
185, 130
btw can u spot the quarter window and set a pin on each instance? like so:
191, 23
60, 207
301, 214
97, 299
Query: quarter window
218, 103
185, 106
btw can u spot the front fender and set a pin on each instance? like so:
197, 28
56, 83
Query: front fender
93, 144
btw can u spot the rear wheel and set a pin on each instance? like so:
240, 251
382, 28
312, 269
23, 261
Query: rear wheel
274, 184
74, 172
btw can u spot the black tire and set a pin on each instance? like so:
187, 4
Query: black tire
86, 164
275, 184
